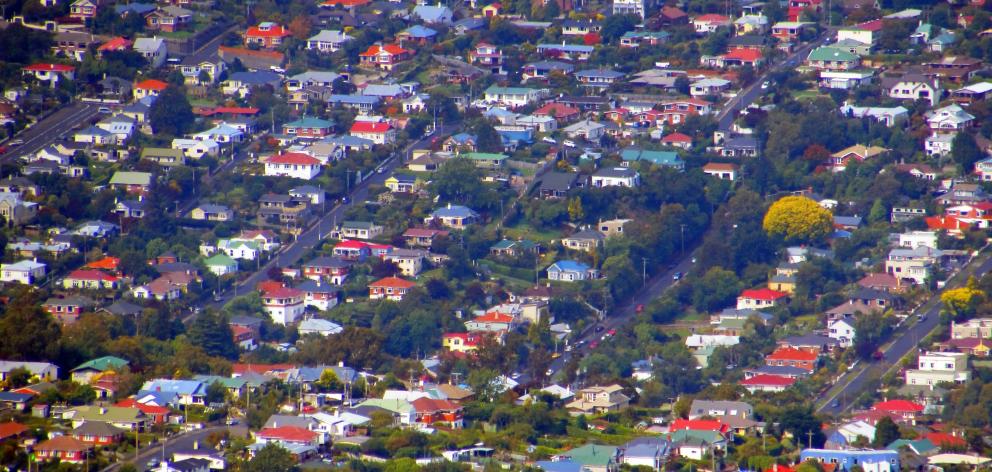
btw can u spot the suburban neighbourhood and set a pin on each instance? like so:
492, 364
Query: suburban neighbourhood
556, 235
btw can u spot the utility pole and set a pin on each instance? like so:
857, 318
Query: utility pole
682, 226
809, 440
644, 270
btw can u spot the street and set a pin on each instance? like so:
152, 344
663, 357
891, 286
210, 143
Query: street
52, 128
182, 442
207, 52
845, 396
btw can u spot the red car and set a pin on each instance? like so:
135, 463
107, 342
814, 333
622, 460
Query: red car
639, 308
594, 345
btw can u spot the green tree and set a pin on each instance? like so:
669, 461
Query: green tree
965, 151
886, 431
216, 392
28, 331
871, 330
269, 458
616, 25
211, 332
575, 211
715, 289
488, 139
798, 219
878, 212
171, 114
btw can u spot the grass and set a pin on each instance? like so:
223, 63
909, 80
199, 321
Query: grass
526, 231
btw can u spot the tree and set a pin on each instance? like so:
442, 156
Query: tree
171, 114
269, 458
300, 27
488, 139
798, 219
211, 332
961, 303
886, 431
715, 289
27, 331
616, 25
870, 331
965, 151
878, 212
216, 392
575, 211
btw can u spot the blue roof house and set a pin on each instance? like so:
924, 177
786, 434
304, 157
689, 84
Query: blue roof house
186, 392
883, 460
571, 271
453, 216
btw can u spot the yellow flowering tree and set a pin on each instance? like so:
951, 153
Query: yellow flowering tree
798, 219
962, 303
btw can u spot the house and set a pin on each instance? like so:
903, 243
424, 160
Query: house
328, 41
322, 297
267, 35
868, 460
676, 111
660, 158
335, 270
569, 52
283, 209
709, 23
429, 411
556, 184
68, 309
49, 72
283, 304
160, 289
352, 250
137, 183
423, 237
308, 128
767, 383
972, 93
377, 132
154, 50
453, 216
391, 288
911, 265
789, 31
202, 73
512, 97
84, 9
587, 240
937, 145
89, 279
164, 157
646, 452
760, 298
221, 264
40, 371
64, 449
636, 39
938, 367
598, 78
24, 272
432, 14
571, 271
949, 119
615, 177
402, 183
240, 83
211, 212
598, 399
913, 87
410, 261
719, 408
721, 170
843, 331
954, 68
292, 164
384, 57
859, 152
488, 56
671, 16
585, 129
832, 58
461, 342
923, 171
907, 410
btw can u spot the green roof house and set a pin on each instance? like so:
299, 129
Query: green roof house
131, 182
922, 447
486, 160
595, 457
221, 264
119, 416
88, 371
658, 158
165, 157
831, 58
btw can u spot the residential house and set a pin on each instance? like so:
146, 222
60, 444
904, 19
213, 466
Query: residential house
384, 56
868, 460
423, 237
512, 97
721, 171
556, 184
292, 164
598, 399
153, 50
283, 209
335, 270
616, 177
328, 41
453, 216
709, 23
136, 183
912, 265
308, 128
169, 19
25, 272
934, 368
48, 72
283, 304
164, 157
571, 271
90, 280
391, 288
63, 449
760, 298
267, 35
377, 132
322, 297
410, 261
832, 58
67, 310
212, 212
587, 240
859, 152
913, 87
949, 119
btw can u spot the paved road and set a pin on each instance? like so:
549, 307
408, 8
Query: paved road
207, 52
52, 128
749, 94
291, 252
840, 401
183, 442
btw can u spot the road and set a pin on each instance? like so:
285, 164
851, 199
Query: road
291, 252
52, 128
842, 399
183, 442
749, 94
207, 52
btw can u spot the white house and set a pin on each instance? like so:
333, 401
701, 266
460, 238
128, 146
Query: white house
292, 164
616, 177
949, 119
222, 133
939, 367
153, 50
284, 305
585, 129
939, 144
25, 272
327, 41
843, 331
195, 149
913, 239
914, 87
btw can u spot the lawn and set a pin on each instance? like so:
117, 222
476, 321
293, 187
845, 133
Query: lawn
526, 231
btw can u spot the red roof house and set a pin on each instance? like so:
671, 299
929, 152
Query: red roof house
266, 35
755, 299
46, 71
700, 425
905, 409
392, 288
11, 429
767, 383
376, 131
430, 411
793, 357
149, 88
679, 140
290, 435
384, 56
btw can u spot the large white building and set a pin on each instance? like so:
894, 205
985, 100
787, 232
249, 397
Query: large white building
25, 272
292, 164
934, 368
284, 305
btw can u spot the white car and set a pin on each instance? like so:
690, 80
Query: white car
765, 84
549, 140
569, 143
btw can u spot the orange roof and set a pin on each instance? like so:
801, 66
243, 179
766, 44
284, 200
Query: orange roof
369, 127
946, 440
275, 31
288, 433
948, 223
699, 425
116, 44
83, 274
792, 354
152, 84
494, 317
107, 263
295, 158
275, 55
268, 285
392, 282
431, 405
391, 49
720, 166
712, 18
153, 410
677, 138
898, 405
11, 429
745, 55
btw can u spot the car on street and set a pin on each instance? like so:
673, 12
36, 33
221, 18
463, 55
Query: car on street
677, 276
600, 328
569, 143
594, 345
639, 308
549, 140
611, 332
16, 142
765, 84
